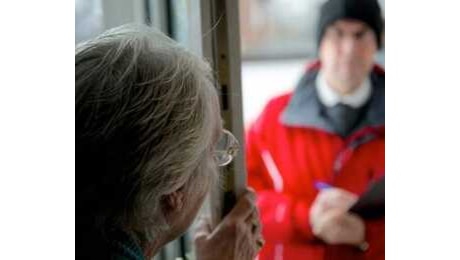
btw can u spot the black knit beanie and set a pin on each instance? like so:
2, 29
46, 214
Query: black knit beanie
367, 11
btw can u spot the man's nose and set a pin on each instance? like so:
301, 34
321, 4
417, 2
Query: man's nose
349, 46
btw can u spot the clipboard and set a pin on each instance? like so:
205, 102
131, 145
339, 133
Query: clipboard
371, 204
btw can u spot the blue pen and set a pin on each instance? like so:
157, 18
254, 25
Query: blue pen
322, 185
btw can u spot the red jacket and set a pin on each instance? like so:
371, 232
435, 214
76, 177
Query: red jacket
290, 147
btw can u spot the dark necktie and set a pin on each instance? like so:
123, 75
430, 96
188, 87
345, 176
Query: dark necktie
343, 118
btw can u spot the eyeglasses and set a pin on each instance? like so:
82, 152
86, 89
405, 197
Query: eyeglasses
226, 148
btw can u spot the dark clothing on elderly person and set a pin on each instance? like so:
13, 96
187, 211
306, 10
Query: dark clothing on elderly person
114, 245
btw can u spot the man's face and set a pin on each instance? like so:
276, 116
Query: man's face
347, 53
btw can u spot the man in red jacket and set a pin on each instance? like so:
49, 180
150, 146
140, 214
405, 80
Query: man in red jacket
330, 129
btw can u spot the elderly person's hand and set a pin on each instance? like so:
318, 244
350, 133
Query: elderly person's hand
237, 237
331, 221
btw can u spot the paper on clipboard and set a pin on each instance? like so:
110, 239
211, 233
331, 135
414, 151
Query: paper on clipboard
371, 204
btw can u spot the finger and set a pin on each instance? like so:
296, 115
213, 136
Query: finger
255, 225
336, 194
244, 207
258, 245
250, 189
329, 219
353, 220
235, 219
254, 217
336, 198
251, 246
322, 206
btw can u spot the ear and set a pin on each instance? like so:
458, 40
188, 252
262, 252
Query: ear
174, 201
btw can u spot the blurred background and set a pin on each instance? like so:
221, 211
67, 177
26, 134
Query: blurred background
277, 42
278, 37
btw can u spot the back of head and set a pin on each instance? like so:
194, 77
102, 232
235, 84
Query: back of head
143, 123
366, 11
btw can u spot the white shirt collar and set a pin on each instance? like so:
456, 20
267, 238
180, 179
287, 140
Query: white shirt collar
330, 98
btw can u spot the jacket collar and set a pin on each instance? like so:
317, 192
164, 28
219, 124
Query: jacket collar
330, 97
304, 108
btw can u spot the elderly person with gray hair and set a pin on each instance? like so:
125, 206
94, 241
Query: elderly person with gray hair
148, 133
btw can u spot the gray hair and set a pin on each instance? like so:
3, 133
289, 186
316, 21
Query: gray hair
144, 126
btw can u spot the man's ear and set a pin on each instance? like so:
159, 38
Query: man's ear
174, 201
